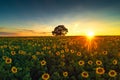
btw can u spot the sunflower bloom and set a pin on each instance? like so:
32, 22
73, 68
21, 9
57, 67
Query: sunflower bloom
14, 69
100, 70
90, 62
98, 62
45, 76
21, 52
65, 74
66, 50
62, 56
85, 74
49, 52
112, 73
8, 60
4, 57
72, 51
38, 53
81, 62
13, 52
115, 62
78, 53
43, 62
34, 57
104, 52
57, 53
62, 51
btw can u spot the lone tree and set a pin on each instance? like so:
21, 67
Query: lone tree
60, 30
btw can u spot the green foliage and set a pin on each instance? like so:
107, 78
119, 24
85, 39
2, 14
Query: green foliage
29, 52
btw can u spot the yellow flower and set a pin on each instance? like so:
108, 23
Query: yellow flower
104, 52
21, 52
115, 62
100, 70
34, 57
38, 53
85, 74
81, 62
98, 62
62, 55
65, 74
45, 76
43, 62
8, 60
14, 69
78, 53
11, 48
4, 57
90, 62
13, 52
57, 53
62, 51
72, 51
66, 50
49, 52
112, 73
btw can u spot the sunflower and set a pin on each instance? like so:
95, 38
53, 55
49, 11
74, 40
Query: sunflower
8, 60
38, 53
49, 52
115, 61
4, 57
14, 69
72, 51
112, 73
98, 62
78, 53
100, 70
62, 56
34, 57
45, 76
13, 52
81, 62
65, 74
21, 52
62, 51
66, 50
43, 62
90, 62
104, 52
85, 74
57, 53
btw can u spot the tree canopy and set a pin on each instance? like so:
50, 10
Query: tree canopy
60, 30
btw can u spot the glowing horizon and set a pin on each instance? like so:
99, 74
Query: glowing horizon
38, 18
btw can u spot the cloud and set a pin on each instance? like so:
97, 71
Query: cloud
2, 28
7, 34
29, 32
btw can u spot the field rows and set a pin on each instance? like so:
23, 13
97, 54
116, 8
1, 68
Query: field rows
60, 58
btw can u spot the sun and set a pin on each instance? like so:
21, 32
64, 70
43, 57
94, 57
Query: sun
90, 34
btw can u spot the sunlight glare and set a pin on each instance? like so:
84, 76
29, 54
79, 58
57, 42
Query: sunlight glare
90, 35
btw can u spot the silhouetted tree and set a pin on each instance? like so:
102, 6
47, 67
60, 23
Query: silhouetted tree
60, 30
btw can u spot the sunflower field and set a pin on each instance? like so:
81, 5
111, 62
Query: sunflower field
60, 58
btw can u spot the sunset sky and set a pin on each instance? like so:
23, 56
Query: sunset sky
40, 17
